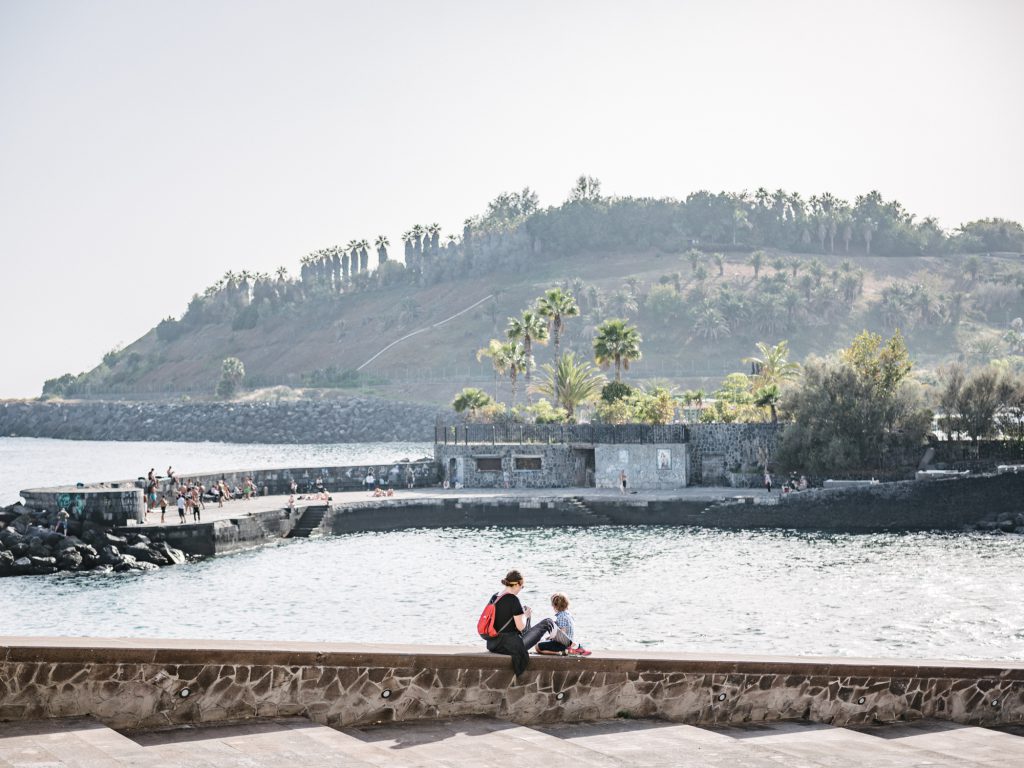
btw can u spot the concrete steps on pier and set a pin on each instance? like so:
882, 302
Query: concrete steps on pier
468, 743
309, 522
579, 503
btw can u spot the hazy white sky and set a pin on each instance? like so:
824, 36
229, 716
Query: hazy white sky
148, 147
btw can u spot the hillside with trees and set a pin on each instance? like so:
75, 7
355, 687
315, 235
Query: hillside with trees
703, 279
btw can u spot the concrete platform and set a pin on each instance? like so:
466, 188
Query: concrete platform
341, 500
469, 743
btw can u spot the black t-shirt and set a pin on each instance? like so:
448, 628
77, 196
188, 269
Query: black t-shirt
507, 607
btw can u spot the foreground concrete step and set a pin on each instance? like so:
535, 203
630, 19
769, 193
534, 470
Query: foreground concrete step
658, 744
815, 744
984, 746
69, 743
353, 745
448, 743
283, 742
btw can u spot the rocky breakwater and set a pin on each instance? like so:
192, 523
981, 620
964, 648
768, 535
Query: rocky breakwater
30, 547
354, 419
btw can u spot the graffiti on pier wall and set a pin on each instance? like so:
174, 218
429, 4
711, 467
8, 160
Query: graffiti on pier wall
74, 503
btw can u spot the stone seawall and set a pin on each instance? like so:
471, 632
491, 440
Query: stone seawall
144, 684
937, 505
355, 419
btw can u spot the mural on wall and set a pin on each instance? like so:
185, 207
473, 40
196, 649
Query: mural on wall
74, 503
664, 458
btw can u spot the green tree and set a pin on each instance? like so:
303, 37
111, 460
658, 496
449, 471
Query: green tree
982, 396
880, 364
570, 382
527, 329
471, 399
554, 306
654, 407
773, 367
232, 376
859, 412
618, 344
735, 389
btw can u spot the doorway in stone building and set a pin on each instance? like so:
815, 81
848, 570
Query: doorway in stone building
583, 467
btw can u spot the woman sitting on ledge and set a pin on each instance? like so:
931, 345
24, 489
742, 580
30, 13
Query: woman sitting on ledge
515, 635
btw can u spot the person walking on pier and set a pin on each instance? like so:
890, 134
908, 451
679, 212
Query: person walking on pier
513, 634
181, 507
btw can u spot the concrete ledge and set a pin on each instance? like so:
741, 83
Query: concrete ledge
141, 684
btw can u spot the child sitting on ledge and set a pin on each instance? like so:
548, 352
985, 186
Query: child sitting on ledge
561, 641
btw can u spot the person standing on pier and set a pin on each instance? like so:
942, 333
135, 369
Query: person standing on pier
181, 507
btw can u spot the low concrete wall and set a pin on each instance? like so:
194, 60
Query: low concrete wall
140, 684
347, 478
106, 504
221, 536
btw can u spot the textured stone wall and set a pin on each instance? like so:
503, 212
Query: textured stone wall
648, 466
561, 465
721, 454
138, 685
355, 419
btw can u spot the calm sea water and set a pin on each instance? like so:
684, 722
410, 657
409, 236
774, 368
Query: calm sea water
909, 596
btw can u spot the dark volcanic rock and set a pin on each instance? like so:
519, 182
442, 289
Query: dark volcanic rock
175, 556
145, 554
69, 560
110, 555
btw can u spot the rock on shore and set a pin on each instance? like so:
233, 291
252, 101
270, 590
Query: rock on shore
30, 547
350, 420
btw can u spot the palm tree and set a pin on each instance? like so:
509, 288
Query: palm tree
407, 240
382, 244
795, 264
527, 329
773, 366
516, 364
434, 231
768, 397
816, 269
756, 260
364, 255
570, 382
352, 247
471, 399
867, 230
417, 241
556, 305
500, 354
623, 303
616, 343
709, 323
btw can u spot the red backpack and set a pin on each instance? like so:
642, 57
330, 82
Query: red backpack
485, 624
